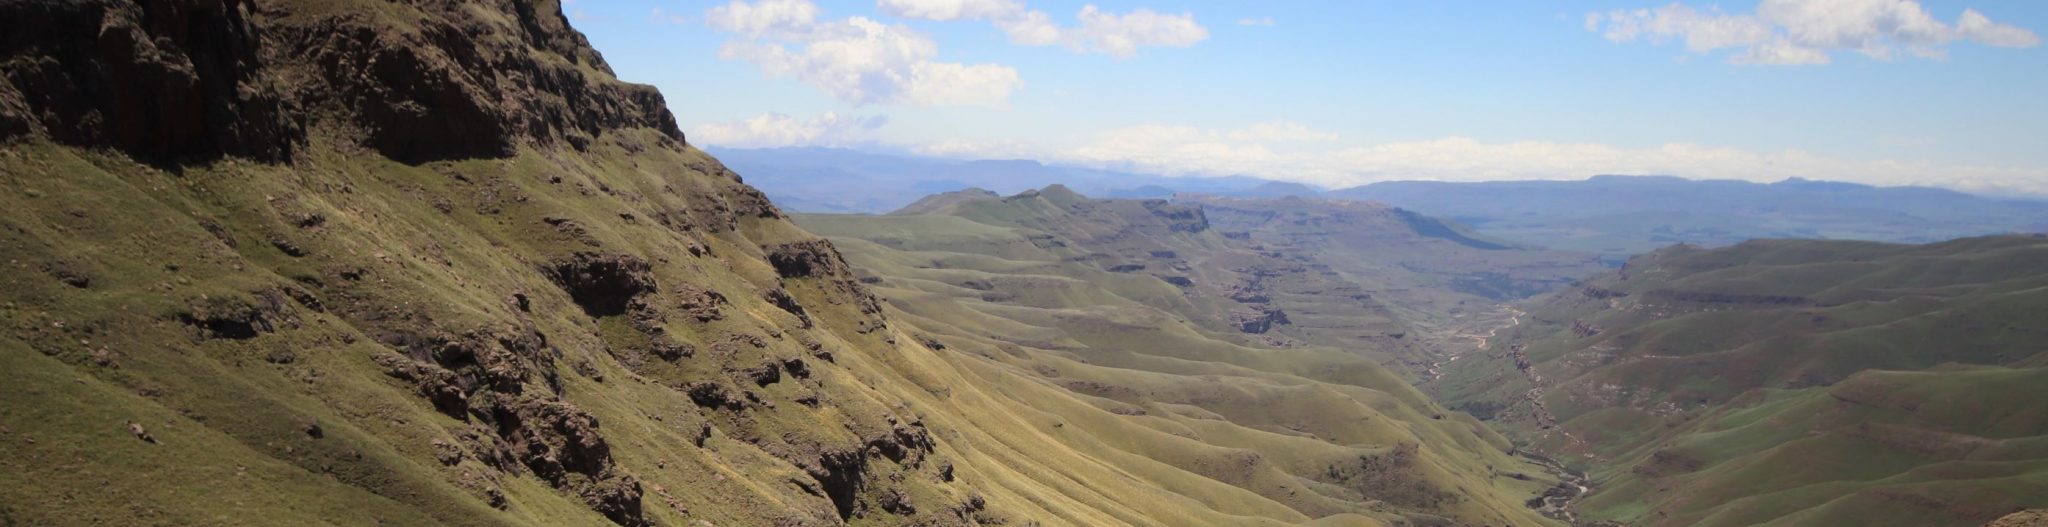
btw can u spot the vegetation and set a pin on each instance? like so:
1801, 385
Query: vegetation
1134, 308
1789, 382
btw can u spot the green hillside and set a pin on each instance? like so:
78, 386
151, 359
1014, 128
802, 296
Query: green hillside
430, 263
1796, 382
1137, 308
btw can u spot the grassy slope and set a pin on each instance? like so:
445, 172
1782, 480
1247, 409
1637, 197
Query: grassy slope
1720, 371
1146, 379
442, 248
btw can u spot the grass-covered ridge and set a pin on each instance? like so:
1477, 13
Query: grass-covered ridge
1788, 382
1126, 306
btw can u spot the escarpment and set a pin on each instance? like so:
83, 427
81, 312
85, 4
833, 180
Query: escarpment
490, 278
193, 80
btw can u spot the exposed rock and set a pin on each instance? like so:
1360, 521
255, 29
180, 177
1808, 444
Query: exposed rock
452, 85
780, 298
1257, 319
807, 259
118, 73
603, 285
1584, 330
1180, 218
2027, 518
700, 303
709, 394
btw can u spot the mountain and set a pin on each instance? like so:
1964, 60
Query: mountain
1786, 382
1619, 216
833, 180
1173, 347
1442, 278
429, 262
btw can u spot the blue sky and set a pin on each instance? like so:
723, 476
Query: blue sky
1343, 93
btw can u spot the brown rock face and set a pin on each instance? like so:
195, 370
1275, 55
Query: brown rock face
163, 80
2031, 518
172, 81
1257, 319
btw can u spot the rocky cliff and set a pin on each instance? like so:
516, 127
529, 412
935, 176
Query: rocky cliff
189, 80
413, 262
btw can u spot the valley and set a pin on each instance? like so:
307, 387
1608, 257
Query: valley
1739, 386
432, 262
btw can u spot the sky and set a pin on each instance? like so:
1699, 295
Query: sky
1336, 94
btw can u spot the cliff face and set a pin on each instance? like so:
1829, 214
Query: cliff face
412, 262
189, 80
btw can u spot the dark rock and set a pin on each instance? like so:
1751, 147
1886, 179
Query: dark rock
118, 74
781, 298
603, 285
700, 303
806, 259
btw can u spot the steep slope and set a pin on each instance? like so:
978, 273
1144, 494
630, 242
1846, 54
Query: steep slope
1796, 382
428, 262
1123, 310
1619, 216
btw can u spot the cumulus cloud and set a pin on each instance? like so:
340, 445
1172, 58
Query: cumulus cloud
784, 18
944, 10
856, 59
1324, 161
1797, 32
778, 130
1099, 31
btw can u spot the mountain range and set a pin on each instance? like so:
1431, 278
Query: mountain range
1614, 216
430, 262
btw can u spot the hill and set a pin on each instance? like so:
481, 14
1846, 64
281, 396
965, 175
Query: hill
1443, 278
1787, 382
1619, 216
838, 180
1198, 345
430, 262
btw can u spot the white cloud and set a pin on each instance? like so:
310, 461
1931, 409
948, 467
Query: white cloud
1256, 22
1975, 26
785, 18
1122, 35
1191, 151
944, 10
778, 130
1796, 32
1099, 31
856, 59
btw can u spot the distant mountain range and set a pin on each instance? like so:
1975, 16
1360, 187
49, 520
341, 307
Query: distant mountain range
1623, 215
1615, 216
832, 180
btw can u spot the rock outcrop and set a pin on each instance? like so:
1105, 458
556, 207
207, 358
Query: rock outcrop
192, 80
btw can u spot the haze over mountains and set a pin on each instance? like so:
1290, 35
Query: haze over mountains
1615, 216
